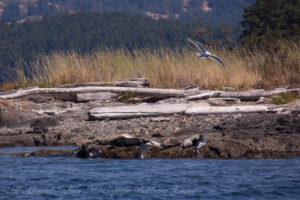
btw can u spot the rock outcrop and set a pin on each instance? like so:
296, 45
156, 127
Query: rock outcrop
168, 127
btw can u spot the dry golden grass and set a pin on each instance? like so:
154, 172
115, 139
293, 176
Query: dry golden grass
170, 68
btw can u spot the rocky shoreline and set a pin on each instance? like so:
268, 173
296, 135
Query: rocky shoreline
43, 120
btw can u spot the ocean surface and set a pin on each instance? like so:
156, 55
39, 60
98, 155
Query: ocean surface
74, 178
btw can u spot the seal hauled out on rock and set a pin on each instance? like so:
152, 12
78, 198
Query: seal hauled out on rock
142, 152
94, 153
195, 140
200, 143
124, 140
188, 142
83, 152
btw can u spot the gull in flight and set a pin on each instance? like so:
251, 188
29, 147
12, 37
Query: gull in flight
204, 53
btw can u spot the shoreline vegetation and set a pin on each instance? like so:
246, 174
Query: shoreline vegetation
257, 68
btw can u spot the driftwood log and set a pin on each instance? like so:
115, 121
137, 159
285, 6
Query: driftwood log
244, 95
124, 112
144, 110
89, 84
71, 93
256, 94
204, 95
93, 96
131, 82
194, 110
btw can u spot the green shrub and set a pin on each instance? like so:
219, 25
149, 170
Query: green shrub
284, 98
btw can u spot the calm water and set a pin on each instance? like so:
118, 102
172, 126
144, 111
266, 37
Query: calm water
72, 178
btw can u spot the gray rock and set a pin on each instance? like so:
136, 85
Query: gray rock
264, 100
223, 101
40, 98
159, 119
47, 139
163, 133
10, 117
260, 100
41, 125
216, 102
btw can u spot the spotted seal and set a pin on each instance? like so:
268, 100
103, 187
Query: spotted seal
200, 143
142, 152
83, 152
188, 142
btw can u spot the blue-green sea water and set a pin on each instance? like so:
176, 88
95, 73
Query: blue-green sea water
74, 178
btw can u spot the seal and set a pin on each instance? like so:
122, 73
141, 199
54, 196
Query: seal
126, 140
94, 153
188, 142
82, 152
142, 152
200, 143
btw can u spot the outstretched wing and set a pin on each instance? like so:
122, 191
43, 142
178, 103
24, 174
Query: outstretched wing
218, 60
200, 47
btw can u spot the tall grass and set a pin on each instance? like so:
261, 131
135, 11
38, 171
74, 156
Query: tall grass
168, 68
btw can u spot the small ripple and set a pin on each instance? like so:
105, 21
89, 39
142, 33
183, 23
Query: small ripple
211, 179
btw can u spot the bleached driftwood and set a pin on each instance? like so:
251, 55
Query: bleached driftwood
124, 112
131, 82
70, 93
256, 94
244, 95
93, 96
89, 84
223, 101
196, 110
204, 95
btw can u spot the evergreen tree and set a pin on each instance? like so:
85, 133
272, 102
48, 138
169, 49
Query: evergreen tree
266, 21
12, 12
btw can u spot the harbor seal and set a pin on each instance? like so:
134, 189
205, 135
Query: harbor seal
126, 140
82, 152
188, 142
200, 143
94, 153
142, 152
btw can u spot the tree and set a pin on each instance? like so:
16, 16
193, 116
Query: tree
12, 12
267, 21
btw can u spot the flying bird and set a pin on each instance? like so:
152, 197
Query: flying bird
204, 53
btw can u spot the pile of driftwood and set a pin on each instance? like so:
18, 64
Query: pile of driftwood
139, 87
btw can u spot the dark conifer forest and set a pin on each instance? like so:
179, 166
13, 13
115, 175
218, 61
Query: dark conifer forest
31, 28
